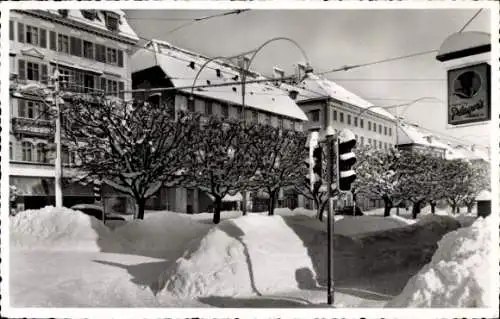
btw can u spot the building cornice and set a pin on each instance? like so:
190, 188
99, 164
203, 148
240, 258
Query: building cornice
78, 25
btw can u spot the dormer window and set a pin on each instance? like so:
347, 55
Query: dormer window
89, 14
112, 20
63, 13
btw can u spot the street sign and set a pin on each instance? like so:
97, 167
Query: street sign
469, 94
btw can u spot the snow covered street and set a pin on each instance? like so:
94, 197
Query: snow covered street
179, 260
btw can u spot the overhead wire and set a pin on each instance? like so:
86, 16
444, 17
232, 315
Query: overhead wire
470, 20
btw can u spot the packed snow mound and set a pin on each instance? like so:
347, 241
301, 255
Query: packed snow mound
244, 256
355, 225
53, 228
458, 274
159, 234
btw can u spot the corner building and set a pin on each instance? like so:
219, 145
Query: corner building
91, 49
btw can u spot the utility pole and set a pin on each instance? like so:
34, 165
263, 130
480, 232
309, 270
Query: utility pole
57, 141
243, 67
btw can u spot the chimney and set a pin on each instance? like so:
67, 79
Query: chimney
278, 73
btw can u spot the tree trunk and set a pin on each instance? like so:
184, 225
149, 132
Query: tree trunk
469, 208
319, 210
453, 208
141, 205
415, 210
217, 209
433, 207
271, 203
243, 203
387, 206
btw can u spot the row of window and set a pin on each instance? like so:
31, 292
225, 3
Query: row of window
374, 143
250, 115
66, 44
314, 116
37, 153
32, 110
70, 79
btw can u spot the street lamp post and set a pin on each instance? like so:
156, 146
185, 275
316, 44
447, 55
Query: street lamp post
244, 68
57, 141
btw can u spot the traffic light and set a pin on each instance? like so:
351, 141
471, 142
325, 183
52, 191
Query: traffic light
97, 189
345, 160
317, 163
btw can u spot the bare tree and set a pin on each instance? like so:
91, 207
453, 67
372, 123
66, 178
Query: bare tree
279, 156
135, 147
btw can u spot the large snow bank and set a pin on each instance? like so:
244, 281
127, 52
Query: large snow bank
248, 255
458, 274
355, 225
53, 228
161, 233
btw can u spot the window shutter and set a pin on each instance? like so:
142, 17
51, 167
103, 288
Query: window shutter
121, 88
20, 32
22, 70
100, 53
52, 40
43, 38
45, 78
76, 46
120, 58
21, 108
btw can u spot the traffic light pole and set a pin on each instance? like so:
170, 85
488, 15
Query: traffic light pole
331, 142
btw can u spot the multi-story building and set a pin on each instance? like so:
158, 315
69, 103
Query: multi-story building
91, 49
414, 138
411, 139
162, 65
372, 126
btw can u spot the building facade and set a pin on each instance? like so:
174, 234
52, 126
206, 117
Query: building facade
91, 50
162, 65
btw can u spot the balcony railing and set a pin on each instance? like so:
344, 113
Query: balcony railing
32, 127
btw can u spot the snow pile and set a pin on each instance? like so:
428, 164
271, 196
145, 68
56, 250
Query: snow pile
53, 228
160, 233
457, 276
249, 255
355, 225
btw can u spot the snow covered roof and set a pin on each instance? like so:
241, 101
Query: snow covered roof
484, 195
410, 134
124, 29
314, 86
181, 67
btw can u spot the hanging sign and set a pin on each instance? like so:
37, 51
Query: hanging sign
469, 94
